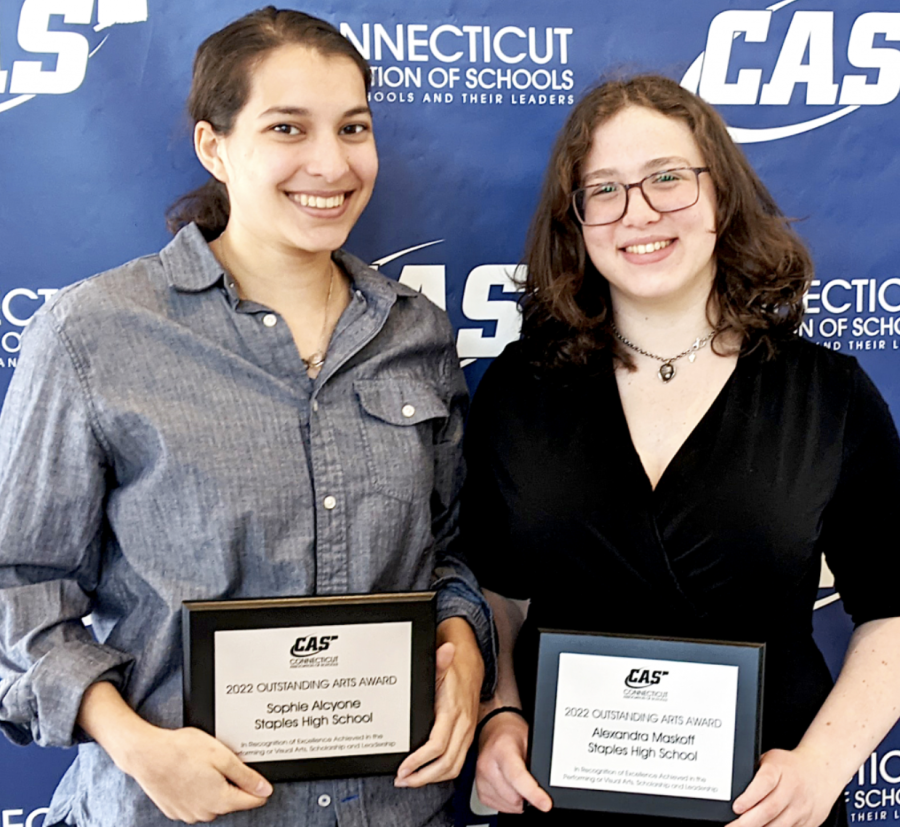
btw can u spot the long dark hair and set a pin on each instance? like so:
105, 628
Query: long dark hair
762, 267
221, 85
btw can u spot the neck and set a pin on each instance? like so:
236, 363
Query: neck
665, 329
276, 277
663, 333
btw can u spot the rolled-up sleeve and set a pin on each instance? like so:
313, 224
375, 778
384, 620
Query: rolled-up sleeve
53, 482
458, 592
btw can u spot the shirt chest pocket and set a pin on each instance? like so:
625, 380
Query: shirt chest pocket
399, 419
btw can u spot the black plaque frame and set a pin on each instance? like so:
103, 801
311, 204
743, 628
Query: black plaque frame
201, 619
748, 657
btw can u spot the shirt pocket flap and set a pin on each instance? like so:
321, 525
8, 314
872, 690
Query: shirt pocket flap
400, 401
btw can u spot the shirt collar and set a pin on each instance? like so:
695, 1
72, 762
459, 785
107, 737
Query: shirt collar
368, 281
189, 263
191, 267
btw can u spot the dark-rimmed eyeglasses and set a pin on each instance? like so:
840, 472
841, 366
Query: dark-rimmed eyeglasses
669, 190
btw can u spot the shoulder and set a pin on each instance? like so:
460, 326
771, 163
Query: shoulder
805, 364
506, 371
156, 286
509, 387
802, 352
516, 371
411, 309
120, 285
817, 383
90, 305
367, 278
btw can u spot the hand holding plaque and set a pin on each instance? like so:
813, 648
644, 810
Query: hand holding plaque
460, 676
308, 688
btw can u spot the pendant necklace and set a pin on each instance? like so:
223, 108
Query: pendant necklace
666, 370
316, 359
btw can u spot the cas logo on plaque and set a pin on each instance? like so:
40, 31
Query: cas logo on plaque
312, 647
643, 678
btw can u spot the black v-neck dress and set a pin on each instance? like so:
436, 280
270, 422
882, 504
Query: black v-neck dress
795, 457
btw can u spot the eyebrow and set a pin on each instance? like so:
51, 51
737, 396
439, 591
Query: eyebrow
657, 163
300, 112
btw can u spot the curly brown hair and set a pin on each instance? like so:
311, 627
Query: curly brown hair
223, 67
762, 267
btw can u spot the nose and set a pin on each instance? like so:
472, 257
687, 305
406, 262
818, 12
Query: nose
329, 158
637, 209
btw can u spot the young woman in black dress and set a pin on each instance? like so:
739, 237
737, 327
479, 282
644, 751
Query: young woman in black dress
661, 454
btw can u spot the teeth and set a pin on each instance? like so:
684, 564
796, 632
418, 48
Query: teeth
318, 202
643, 249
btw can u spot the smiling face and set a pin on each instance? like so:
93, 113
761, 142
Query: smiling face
300, 162
646, 256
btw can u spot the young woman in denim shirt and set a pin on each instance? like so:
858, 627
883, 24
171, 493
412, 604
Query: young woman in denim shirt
250, 412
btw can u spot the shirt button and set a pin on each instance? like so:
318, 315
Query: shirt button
324, 800
329, 502
315, 405
270, 320
408, 411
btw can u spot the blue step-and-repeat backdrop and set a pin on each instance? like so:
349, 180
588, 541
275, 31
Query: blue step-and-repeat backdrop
468, 96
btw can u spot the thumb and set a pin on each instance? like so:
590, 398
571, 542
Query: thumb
244, 778
444, 657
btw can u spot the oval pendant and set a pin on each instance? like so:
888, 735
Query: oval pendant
666, 371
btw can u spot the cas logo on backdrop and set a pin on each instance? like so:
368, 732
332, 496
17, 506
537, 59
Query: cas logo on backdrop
805, 57
480, 302
52, 59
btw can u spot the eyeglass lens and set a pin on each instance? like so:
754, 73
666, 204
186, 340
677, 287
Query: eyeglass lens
668, 191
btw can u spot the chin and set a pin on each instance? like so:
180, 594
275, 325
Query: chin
654, 293
320, 242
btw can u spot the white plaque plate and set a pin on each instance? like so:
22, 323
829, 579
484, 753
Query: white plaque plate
644, 726
313, 692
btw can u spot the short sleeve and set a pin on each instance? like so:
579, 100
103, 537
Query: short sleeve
859, 524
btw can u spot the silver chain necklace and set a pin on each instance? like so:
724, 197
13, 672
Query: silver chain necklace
316, 359
666, 370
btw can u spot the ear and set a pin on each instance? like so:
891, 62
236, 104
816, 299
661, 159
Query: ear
210, 149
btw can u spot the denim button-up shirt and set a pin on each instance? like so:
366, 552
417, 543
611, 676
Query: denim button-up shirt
161, 442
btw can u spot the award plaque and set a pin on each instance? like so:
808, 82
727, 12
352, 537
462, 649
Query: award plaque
312, 687
651, 726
